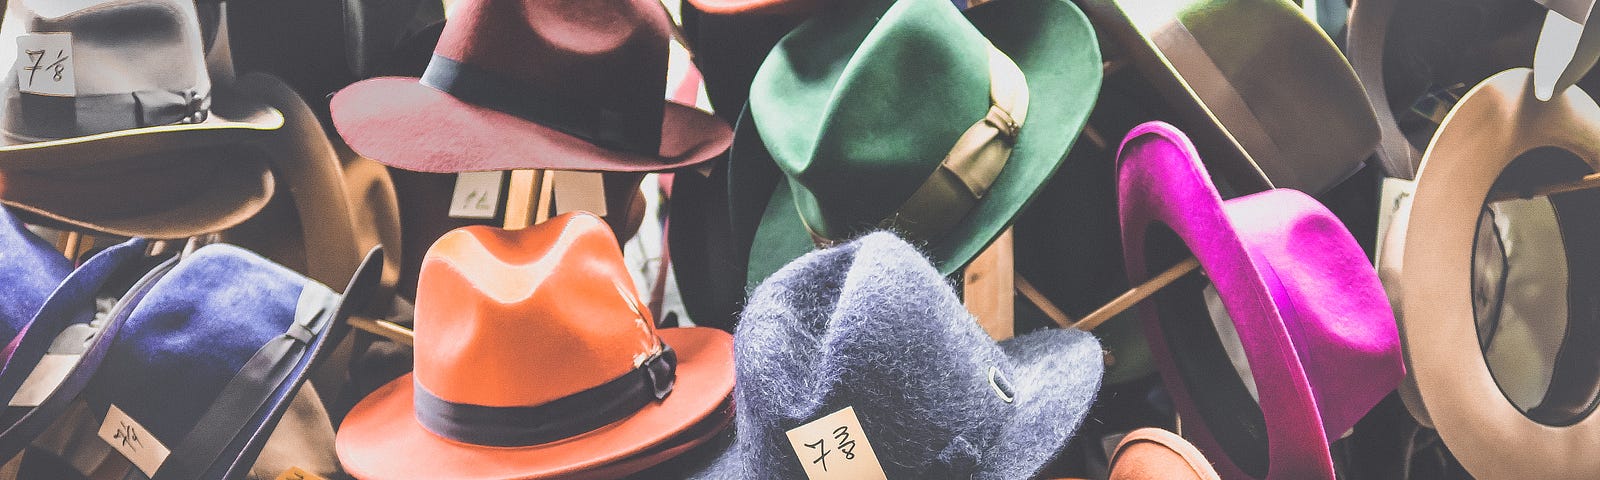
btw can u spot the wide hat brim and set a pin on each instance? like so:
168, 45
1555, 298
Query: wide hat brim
402, 123
381, 438
703, 250
1494, 124
1050, 406
1310, 314
164, 182
1053, 44
758, 7
1263, 91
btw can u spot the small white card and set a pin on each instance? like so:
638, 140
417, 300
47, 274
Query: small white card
130, 439
52, 369
44, 64
576, 191
477, 194
835, 447
1391, 198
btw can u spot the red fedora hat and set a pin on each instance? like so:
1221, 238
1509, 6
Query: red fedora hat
535, 84
536, 359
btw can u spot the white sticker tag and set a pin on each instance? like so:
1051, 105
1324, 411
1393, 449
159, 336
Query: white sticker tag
835, 447
44, 64
133, 442
477, 194
46, 376
576, 191
1391, 197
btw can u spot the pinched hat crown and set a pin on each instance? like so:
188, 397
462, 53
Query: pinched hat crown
83, 67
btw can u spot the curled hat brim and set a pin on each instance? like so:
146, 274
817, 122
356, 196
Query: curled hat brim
1057, 374
163, 182
1053, 44
402, 123
381, 438
1264, 254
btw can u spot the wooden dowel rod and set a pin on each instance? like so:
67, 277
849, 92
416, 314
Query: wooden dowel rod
385, 329
1586, 182
1044, 304
522, 198
1136, 294
547, 195
68, 245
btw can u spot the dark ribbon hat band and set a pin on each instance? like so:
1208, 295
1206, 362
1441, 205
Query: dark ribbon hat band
636, 132
971, 167
250, 389
561, 418
42, 117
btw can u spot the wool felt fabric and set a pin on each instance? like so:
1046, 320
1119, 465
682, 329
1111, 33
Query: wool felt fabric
833, 138
555, 299
32, 269
72, 305
192, 333
1311, 316
1261, 87
1156, 454
148, 146
872, 325
586, 85
1487, 144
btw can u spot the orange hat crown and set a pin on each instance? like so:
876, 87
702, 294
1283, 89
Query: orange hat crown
524, 337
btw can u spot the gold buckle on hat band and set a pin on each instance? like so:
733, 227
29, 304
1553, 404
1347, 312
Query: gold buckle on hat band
970, 168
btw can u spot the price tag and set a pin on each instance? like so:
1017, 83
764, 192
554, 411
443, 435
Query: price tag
576, 191
835, 447
130, 439
477, 195
1393, 196
44, 64
296, 473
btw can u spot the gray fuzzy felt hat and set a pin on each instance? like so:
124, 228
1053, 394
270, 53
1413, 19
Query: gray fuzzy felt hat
872, 326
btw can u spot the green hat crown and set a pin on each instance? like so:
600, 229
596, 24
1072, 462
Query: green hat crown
859, 106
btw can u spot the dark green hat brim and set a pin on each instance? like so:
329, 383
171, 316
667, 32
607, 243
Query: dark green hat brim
1053, 44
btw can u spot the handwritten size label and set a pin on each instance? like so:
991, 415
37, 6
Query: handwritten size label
835, 447
477, 195
130, 439
44, 64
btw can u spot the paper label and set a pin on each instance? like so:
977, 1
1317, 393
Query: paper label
576, 191
44, 64
1391, 198
835, 447
295, 473
46, 376
477, 195
130, 439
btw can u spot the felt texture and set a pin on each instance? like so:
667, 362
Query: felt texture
193, 331
608, 56
1156, 454
1311, 316
526, 318
872, 325
834, 132
33, 269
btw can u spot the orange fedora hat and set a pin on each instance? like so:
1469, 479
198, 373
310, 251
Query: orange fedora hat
534, 359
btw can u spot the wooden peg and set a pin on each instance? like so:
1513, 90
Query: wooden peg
528, 198
67, 244
1583, 183
989, 288
385, 329
1136, 294
1044, 304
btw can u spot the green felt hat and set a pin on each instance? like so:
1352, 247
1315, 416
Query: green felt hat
912, 116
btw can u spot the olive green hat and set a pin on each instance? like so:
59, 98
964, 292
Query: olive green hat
912, 116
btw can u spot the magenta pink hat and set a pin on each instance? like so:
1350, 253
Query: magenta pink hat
1313, 322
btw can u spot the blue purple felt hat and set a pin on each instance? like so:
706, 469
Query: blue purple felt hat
197, 361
